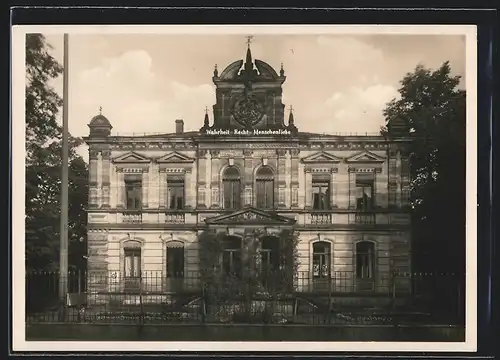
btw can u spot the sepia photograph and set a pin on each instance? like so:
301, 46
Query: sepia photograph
244, 187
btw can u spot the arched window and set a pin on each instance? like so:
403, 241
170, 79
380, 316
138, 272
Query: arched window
365, 260
265, 188
321, 259
231, 256
232, 188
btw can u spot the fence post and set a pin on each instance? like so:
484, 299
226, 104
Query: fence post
203, 303
63, 299
459, 300
141, 307
79, 290
329, 300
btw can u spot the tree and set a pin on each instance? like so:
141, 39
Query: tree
43, 164
251, 282
433, 107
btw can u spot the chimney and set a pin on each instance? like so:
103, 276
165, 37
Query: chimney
179, 126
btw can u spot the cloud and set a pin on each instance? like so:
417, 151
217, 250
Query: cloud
134, 98
356, 110
335, 83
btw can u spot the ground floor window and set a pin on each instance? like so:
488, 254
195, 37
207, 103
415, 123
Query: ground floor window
365, 260
231, 256
132, 269
175, 260
321, 259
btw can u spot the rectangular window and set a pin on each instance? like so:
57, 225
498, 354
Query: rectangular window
175, 190
365, 260
232, 193
270, 255
175, 262
265, 193
132, 280
231, 262
321, 194
365, 191
133, 188
132, 263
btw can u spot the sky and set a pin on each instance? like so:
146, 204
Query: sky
335, 83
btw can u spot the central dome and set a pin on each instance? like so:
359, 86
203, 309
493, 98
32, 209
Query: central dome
237, 70
249, 96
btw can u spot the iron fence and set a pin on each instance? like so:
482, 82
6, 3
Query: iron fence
154, 297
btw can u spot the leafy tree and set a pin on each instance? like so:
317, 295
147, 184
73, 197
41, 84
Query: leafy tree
43, 164
433, 107
223, 291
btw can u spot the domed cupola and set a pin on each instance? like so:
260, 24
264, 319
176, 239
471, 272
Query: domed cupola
100, 125
249, 95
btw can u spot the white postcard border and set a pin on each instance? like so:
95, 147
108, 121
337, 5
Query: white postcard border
18, 189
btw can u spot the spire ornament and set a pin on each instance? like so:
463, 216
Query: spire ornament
291, 121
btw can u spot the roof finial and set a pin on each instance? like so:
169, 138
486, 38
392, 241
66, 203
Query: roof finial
206, 120
249, 40
216, 72
100, 110
291, 121
282, 71
249, 61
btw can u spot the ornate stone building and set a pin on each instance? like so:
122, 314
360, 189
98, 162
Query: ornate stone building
344, 196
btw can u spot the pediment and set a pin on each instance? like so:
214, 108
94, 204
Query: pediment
250, 216
174, 158
321, 157
365, 157
131, 158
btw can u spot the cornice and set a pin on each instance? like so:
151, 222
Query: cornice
199, 141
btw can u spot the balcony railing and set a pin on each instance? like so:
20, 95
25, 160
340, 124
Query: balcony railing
175, 218
132, 218
321, 218
362, 218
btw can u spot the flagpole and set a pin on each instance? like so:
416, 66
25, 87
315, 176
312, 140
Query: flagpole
63, 252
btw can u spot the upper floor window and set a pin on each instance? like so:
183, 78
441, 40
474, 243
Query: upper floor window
134, 193
231, 188
365, 191
265, 188
321, 193
175, 189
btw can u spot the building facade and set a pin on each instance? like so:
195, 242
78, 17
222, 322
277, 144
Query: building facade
151, 196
